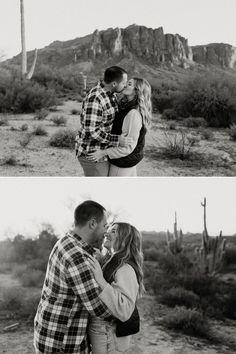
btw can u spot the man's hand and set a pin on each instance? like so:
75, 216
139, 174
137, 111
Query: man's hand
124, 140
96, 156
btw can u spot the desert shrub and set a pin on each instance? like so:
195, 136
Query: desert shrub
188, 321
39, 130
41, 114
172, 126
151, 254
32, 278
163, 96
4, 121
29, 306
12, 299
24, 96
10, 161
169, 114
232, 132
65, 82
179, 296
24, 142
207, 134
230, 255
24, 127
175, 264
211, 97
59, 120
178, 145
194, 122
75, 111
64, 138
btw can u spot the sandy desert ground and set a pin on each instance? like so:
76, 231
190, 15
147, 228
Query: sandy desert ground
152, 338
213, 157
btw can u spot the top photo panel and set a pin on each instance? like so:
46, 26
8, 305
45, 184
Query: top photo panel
133, 88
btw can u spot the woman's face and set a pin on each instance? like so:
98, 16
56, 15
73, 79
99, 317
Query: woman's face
130, 88
111, 237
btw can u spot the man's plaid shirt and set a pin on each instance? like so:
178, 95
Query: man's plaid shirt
97, 115
69, 295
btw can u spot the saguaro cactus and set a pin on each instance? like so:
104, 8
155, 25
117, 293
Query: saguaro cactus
175, 243
23, 47
211, 253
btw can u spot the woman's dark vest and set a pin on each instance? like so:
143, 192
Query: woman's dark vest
137, 154
131, 326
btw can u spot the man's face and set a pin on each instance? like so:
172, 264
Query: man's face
119, 87
99, 232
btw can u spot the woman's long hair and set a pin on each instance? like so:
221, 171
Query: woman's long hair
143, 90
128, 246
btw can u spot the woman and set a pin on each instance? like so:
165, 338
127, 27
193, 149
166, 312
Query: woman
132, 120
121, 281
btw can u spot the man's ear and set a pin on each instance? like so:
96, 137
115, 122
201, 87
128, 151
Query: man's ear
92, 224
114, 84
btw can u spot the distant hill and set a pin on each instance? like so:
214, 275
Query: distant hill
140, 50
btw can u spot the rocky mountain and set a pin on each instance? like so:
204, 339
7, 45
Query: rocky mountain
134, 45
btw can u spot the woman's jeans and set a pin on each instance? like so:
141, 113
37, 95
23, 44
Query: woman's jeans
103, 338
115, 171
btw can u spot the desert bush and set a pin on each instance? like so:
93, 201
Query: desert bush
172, 126
175, 264
24, 127
75, 111
32, 278
179, 296
232, 132
66, 82
64, 138
39, 130
24, 96
59, 120
178, 145
211, 97
24, 142
163, 96
41, 114
10, 161
230, 255
188, 321
194, 122
12, 299
152, 254
4, 121
29, 306
207, 134
169, 114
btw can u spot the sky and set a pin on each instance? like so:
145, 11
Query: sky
148, 203
201, 21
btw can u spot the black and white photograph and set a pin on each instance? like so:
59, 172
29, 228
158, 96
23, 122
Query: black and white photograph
144, 92
132, 88
117, 266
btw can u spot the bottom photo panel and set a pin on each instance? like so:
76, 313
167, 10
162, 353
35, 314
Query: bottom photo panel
127, 265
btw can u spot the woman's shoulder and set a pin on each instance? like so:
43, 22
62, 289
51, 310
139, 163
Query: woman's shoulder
126, 269
134, 114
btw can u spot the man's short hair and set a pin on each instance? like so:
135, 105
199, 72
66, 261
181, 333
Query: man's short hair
114, 73
88, 210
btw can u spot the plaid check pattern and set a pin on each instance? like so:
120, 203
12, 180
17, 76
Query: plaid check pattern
69, 296
97, 115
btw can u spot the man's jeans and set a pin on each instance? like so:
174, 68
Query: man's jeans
94, 169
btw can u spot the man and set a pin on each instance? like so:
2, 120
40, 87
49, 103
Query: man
70, 292
98, 112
